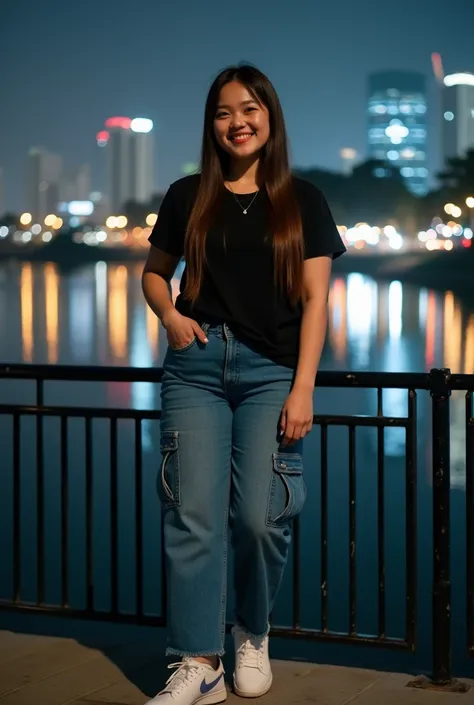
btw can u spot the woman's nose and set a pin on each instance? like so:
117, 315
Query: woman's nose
237, 121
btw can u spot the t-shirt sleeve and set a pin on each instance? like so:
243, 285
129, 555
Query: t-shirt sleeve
321, 236
169, 230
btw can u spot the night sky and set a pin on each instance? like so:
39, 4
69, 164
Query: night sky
65, 66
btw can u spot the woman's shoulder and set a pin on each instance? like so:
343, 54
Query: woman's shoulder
306, 190
185, 188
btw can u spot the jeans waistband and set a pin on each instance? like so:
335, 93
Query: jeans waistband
220, 329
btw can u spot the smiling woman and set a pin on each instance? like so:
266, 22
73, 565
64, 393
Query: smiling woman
245, 338
242, 122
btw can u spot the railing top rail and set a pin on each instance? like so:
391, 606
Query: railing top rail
463, 382
98, 373
340, 378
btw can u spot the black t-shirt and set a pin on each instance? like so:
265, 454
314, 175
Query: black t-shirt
238, 286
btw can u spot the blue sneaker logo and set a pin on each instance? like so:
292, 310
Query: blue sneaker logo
206, 687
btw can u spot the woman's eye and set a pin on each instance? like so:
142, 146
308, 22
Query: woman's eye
220, 115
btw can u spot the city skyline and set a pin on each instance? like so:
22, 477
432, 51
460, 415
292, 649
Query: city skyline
320, 75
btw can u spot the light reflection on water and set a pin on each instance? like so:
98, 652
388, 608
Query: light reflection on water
97, 315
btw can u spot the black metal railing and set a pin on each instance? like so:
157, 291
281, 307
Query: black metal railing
439, 384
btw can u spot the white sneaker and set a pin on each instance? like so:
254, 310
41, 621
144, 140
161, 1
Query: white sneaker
253, 672
193, 683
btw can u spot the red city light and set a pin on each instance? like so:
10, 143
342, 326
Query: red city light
466, 243
121, 122
102, 136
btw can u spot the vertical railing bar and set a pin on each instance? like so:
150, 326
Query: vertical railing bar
440, 393
64, 513
411, 519
470, 521
139, 516
381, 519
324, 527
89, 516
16, 509
114, 515
379, 401
352, 531
39, 494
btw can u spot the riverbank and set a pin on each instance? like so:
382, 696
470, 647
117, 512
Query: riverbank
435, 270
439, 270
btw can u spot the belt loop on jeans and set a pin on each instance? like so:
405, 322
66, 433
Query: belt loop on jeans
226, 332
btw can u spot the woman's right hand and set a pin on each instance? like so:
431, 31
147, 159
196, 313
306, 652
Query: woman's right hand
181, 330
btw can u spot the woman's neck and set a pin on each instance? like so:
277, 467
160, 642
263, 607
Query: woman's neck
244, 172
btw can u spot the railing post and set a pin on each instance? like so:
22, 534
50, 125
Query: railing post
440, 393
440, 390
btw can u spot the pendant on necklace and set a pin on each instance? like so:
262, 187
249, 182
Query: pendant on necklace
244, 212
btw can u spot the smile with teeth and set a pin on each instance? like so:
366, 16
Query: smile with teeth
243, 137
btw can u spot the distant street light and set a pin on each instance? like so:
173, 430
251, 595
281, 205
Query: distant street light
470, 205
121, 221
26, 218
50, 220
453, 210
151, 219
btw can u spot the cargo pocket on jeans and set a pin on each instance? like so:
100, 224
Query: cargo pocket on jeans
287, 490
168, 478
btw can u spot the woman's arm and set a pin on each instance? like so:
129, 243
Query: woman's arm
316, 278
297, 414
159, 269
157, 274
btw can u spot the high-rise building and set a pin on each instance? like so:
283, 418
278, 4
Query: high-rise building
397, 132
76, 184
130, 160
458, 114
141, 160
43, 182
2, 192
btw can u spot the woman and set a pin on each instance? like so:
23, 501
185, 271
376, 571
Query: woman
245, 338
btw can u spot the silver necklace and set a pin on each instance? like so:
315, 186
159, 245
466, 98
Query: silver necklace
244, 210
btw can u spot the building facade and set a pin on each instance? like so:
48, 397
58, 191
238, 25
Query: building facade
458, 115
129, 148
142, 151
2, 192
43, 182
397, 129
76, 184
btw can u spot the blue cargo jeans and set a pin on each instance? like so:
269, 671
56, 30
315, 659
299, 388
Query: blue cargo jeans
222, 468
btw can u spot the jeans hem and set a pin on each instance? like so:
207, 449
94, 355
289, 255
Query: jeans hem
192, 654
252, 635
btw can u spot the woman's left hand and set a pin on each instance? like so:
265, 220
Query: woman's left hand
296, 416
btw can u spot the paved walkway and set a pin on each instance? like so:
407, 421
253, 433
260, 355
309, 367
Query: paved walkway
42, 670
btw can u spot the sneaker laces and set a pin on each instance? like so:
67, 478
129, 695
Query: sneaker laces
250, 651
185, 673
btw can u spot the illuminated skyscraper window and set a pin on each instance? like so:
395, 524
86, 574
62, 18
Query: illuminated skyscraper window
397, 131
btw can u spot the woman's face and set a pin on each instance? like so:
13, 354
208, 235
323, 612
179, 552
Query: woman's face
241, 124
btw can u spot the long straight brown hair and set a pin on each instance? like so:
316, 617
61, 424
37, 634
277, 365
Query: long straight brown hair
274, 175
